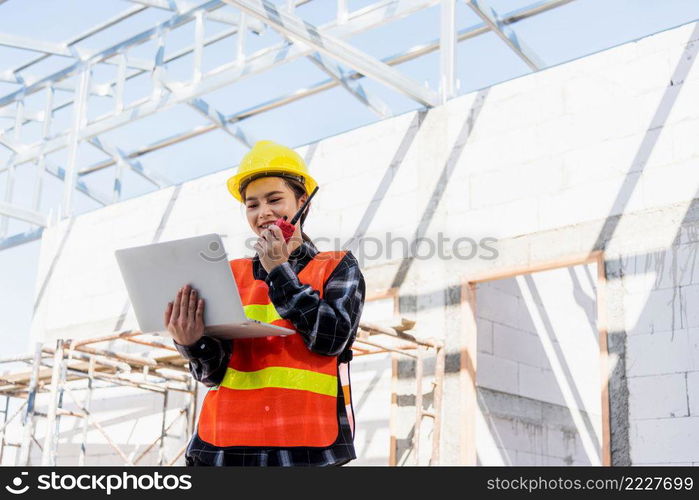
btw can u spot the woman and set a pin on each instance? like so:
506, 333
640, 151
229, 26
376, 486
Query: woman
276, 400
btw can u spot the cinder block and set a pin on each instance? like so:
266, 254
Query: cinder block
518, 181
561, 442
664, 440
665, 268
497, 306
689, 295
655, 311
684, 147
539, 383
496, 373
658, 396
672, 183
485, 336
517, 434
514, 218
523, 458
517, 345
658, 353
571, 206
693, 393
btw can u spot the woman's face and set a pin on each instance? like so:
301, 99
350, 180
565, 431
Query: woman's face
267, 199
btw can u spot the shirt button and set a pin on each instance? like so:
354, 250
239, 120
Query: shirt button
266, 408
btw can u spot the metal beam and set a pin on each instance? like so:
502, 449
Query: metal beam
21, 238
100, 90
294, 27
367, 18
9, 145
359, 22
86, 34
236, 117
37, 116
74, 139
18, 42
119, 156
60, 173
214, 15
342, 76
158, 30
23, 214
534, 9
344, 26
219, 119
497, 26
9, 189
447, 50
142, 66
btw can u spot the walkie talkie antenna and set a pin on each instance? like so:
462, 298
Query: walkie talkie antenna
303, 207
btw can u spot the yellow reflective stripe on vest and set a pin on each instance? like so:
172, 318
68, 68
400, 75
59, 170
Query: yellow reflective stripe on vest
262, 312
283, 378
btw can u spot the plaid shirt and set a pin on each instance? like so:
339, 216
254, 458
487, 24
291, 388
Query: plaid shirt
328, 326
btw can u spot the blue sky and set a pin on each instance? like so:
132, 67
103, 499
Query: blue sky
566, 33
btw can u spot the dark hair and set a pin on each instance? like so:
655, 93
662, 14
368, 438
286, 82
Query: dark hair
299, 189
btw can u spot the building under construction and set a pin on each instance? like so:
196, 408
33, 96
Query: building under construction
528, 247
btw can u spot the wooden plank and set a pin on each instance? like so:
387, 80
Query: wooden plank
604, 359
393, 418
534, 267
467, 375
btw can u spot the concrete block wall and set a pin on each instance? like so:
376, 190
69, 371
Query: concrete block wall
662, 353
538, 362
596, 154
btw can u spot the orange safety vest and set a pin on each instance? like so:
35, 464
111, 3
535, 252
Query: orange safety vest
276, 392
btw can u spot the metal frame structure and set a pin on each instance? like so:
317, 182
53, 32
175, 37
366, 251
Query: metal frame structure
58, 371
324, 46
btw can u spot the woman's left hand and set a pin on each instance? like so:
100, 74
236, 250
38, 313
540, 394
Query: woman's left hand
272, 248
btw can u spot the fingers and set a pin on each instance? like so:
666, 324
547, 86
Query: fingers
276, 232
199, 315
176, 307
168, 313
192, 309
184, 304
260, 247
268, 235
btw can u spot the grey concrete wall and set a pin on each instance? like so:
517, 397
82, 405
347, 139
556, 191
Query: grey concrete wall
596, 154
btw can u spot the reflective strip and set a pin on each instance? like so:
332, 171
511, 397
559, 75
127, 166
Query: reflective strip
283, 378
262, 312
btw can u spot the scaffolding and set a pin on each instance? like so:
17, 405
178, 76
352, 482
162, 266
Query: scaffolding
376, 339
56, 371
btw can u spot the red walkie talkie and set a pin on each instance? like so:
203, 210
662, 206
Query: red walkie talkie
288, 228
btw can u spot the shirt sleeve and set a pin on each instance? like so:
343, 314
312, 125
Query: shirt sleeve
328, 325
208, 359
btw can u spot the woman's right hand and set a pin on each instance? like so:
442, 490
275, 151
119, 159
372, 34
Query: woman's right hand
184, 318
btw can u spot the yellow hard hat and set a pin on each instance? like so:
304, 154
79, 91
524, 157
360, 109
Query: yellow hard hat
268, 158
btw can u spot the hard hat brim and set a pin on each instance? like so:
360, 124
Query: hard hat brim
233, 183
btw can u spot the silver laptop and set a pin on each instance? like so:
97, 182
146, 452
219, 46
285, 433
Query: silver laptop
154, 273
